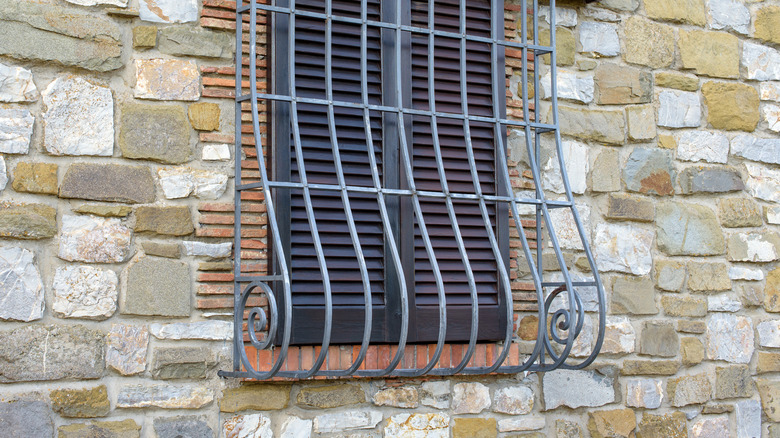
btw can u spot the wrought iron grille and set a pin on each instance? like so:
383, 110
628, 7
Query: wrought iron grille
560, 307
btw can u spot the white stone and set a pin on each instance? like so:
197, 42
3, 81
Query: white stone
600, 14
723, 303
201, 330
182, 182
679, 109
599, 39
435, 394
21, 288
470, 398
530, 422
213, 250
296, 427
164, 396
769, 334
216, 152
712, 147
710, 427
418, 426
168, 11
166, 79
84, 292
619, 336
16, 85
571, 86
3, 174
397, 397
773, 215
583, 344
771, 115
729, 338
757, 248
355, 419
763, 182
247, 426
592, 389
644, 393
575, 158
119, 3
565, 227
769, 91
565, 17
729, 14
623, 248
93, 239
761, 63
766, 150
16, 128
514, 400
742, 273
79, 118
126, 347
748, 415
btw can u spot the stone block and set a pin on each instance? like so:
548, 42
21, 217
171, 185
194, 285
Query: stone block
763, 183
182, 182
201, 330
765, 23
435, 394
739, 212
762, 63
205, 117
644, 393
331, 396
215, 152
16, 128
104, 210
81, 403
769, 334
707, 53
126, 347
21, 292
182, 363
769, 390
27, 221
754, 247
659, 339
260, 397
708, 276
430, 424
772, 291
731, 106
26, 419
40, 178
144, 37
633, 296
641, 122
474, 428
623, 248
514, 400
768, 362
296, 427
701, 179
170, 142
688, 229
603, 177
603, 126
599, 39
166, 79
565, 48
748, 415
679, 109
170, 220
677, 81
195, 41
523, 424
650, 171
733, 382
157, 286
648, 43
669, 275
729, 338
684, 306
627, 207
567, 429
350, 420
687, 390
254, 425
470, 398
571, 86
691, 351
619, 336
710, 427
619, 85
16, 85
685, 11
51, 352
673, 425
612, 424
190, 426
93, 239
108, 182
594, 389
84, 292
712, 147
403, 397
165, 396
729, 15
168, 250
694, 327
168, 11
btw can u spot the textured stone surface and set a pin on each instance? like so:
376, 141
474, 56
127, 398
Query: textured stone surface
743, 273
433, 425
331, 396
710, 427
619, 336
679, 109
613, 423
603, 126
687, 390
170, 220
650, 171
622, 85
567, 429
93, 239
761, 62
763, 183
126, 348
772, 291
599, 39
648, 43
566, 228
49, 352
170, 142
686, 11
603, 178
672, 425
563, 16
677, 81
691, 350
182, 362
195, 41
79, 118
770, 397
769, 334
712, 147
765, 150
16, 84
181, 182
157, 286
710, 53
346, 421
731, 106
84, 292
748, 415
521, 424
470, 398
627, 207
36, 31
688, 229
669, 275
701, 179
104, 210
108, 182
27, 221
650, 367
623, 248
723, 303
215, 152
261, 397
295, 427
754, 247
213, 250
708, 276
40, 178
26, 418
659, 339
733, 382
571, 86
729, 338
183, 426
765, 23
594, 389
202, 330
16, 128
119, 3
770, 114
169, 250
144, 37
772, 215
634, 296
644, 393
164, 396
81, 403
684, 306
641, 122
739, 212
204, 116
168, 11
729, 15
435, 394
166, 79
21, 291
513, 400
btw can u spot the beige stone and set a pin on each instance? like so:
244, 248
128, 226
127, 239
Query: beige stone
672, 425
629, 207
692, 351
331, 396
144, 37
474, 428
713, 54
104, 210
619, 85
260, 397
739, 212
81, 403
603, 126
603, 178
204, 116
693, 327
648, 43
641, 122
685, 11
731, 106
633, 367
113, 429
612, 424
167, 79
634, 296
708, 276
767, 23
684, 306
529, 328
733, 382
669, 275
772, 291
687, 390
565, 46
769, 389
40, 178
170, 220
403, 397
768, 362
667, 142
676, 80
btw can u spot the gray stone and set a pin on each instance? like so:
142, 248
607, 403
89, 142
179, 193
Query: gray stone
27, 221
765, 150
604, 126
723, 303
170, 142
183, 426
659, 339
470, 398
669, 275
599, 39
641, 122
168, 11
93, 239
203, 330
26, 419
180, 182
679, 109
250, 425
688, 229
213, 250
619, 336
563, 16
711, 427
16, 84
46, 32
435, 394
21, 291
769, 334
712, 147
761, 62
594, 389
644, 393
108, 182
650, 171
168, 220
603, 177
514, 400
729, 338
633, 296
700, 179
126, 348
195, 41
295, 427
619, 85
687, 390
157, 286
763, 182
571, 86
748, 415
51, 352
182, 362
164, 396
754, 247
729, 14
733, 382
623, 248
16, 128
346, 421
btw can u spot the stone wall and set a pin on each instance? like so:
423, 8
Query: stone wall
116, 161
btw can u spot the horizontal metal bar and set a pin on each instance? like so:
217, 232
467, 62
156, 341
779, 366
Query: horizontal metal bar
251, 278
573, 283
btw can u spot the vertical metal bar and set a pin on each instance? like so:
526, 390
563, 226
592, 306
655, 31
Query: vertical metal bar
237, 153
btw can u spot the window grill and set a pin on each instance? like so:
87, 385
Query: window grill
559, 303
